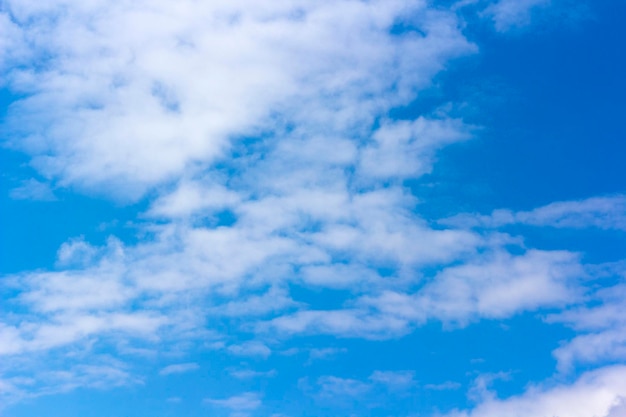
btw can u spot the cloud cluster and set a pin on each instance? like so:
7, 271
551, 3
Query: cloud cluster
494, 286
600, 327
261, 137
124, 96
599, 393
262, 132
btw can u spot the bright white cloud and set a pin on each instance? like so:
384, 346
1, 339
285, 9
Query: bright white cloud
599, 393
249, 373
135, 93
325, 353
601, 330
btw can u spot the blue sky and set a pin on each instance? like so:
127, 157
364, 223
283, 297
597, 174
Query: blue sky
297, 208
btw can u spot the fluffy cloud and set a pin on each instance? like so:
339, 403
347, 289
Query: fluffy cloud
599, 393
495, 286
123, 96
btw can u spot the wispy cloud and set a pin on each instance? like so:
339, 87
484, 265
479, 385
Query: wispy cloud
238, 404
179, 368
607, 213
252, 349
33, 190
495, 285
249, 373
511, 13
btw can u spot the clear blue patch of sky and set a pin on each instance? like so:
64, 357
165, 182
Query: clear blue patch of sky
32, 231
550, 102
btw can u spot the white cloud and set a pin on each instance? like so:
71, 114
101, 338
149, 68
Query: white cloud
494, 285
102, 373
608, 213
599, 393
135, 93
396, 380
511, 13
600, 327
343, 323
33, 190
179, 368
448, 385
501, 284
190, 197
129, 96
248, 401
373, 392
325, 353
263, 113
333, 387
252, 349
406, 149
272, 301
249, 373
94, 376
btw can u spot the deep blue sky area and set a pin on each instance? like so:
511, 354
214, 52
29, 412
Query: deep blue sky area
550, 102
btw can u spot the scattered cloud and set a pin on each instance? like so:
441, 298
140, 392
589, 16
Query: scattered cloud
179, 368
444, 386
238, 404
316, 64
33, 190
607, 213
335, 387
495, 285
325, 353
598, 393
252, 349
511, 13
395, 380
600, 327
260, 138
250, 374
